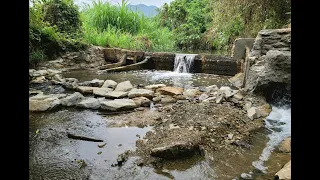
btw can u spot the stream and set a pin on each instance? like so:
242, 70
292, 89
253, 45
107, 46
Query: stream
52, 155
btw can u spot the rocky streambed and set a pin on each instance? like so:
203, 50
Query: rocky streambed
163, 130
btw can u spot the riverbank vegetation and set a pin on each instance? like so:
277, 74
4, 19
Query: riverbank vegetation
57, 26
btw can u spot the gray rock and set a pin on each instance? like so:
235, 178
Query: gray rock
31, 71
220, 97
72, 100
168, 90
285, 172
191, 92
228, 92
246, 176
101, 91
96, 83
39, 80
212, 88
39, 73
153, 87
238, 96
70, 85
175, 150
237, 80
156, 99
275, 69
140, 92
285, 145
210, 99
42, 96
109, 84
116, 94
118, 104
248, 105
203, 97
52, 72
43, 105
168, 99
58, 78
142, 101
71, 80
252, 113
124, 86
42, 102
90, 103
86, 89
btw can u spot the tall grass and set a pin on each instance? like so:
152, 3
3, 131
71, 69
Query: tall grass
110, 25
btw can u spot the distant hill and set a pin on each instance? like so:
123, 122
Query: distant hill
147, 10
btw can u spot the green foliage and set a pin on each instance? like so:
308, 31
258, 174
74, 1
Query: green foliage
46, 40
188, 20
117, 26
101, 15
64, 14
245, 18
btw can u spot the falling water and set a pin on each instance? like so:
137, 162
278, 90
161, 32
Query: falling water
279, 124
183, 63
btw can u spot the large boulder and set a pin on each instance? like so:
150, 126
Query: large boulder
274, 67
140, 92
101, 91
116, 94
175, 150
43, 102
153, 87
72, 100
43, 105
118, 104
124, 86
285, 172
191, 92
90, 103
109, 84
168, 90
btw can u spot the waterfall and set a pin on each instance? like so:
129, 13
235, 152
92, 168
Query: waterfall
183, 63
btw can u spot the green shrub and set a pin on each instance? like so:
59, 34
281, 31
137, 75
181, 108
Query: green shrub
46, 40
35, 57
63, 14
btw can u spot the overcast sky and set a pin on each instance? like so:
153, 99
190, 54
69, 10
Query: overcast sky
157, 3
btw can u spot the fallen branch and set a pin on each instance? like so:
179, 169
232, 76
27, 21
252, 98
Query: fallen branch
115, 113
72, 136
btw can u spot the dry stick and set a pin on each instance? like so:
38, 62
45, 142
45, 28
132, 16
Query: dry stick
72, 136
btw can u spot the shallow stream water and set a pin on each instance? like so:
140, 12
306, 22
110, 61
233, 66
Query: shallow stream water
53, 155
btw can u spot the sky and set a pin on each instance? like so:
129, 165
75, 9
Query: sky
157, 3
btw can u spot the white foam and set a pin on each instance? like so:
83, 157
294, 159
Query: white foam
183, 63
279, 123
